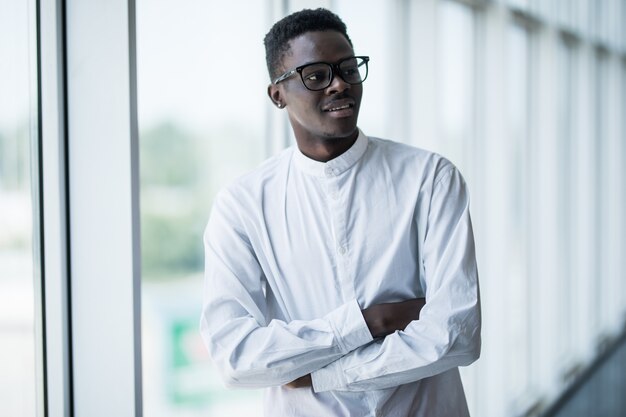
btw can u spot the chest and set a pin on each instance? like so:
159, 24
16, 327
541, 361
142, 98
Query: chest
330, 240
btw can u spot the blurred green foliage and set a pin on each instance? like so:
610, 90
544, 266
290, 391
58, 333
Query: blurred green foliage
170, 246
180, 174
168, 157
172, 213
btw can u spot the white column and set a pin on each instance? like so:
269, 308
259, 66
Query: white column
104, 212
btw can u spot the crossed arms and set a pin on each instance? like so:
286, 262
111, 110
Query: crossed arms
382, 320
350, 348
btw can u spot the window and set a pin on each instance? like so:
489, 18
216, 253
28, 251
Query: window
387, 67
621, 265
456, 112
602, 291
527, 97
203, 120
455, 69
583, 152
516, 212
20, 344
566, 207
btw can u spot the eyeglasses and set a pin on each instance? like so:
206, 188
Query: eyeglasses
319, 75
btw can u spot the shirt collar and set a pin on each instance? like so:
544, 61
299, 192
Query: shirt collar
335, 166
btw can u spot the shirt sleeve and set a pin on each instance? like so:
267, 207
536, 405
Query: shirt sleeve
447, 334
248, 350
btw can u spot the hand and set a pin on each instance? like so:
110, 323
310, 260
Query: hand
302, 382
384, 319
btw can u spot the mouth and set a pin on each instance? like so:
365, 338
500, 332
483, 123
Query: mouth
340, 108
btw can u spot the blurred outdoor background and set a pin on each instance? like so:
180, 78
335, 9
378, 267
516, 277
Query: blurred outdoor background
527, 97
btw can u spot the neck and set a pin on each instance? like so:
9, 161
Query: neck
327, 149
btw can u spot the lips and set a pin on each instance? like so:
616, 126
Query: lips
338, 105
337, 108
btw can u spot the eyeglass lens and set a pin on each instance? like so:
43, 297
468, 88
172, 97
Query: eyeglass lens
319, 76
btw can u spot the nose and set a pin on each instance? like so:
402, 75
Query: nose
337, 85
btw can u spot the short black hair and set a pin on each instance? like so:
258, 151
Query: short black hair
277, 39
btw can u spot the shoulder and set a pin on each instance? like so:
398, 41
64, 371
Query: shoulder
411, 160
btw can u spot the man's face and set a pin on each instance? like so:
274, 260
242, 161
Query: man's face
313, 114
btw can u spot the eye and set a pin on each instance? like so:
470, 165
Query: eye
315, 76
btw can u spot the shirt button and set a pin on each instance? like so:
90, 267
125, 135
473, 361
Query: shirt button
342, 250
334, 195
328, 171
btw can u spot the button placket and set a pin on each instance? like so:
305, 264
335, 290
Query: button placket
337, 213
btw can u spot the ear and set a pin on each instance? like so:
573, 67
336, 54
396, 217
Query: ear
275, 94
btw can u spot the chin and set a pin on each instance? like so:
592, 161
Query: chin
345, 135
341, 133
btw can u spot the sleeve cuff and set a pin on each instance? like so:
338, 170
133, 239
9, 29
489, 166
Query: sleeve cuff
329, 378
349, 326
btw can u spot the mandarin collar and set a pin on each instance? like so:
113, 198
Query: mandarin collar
335, 166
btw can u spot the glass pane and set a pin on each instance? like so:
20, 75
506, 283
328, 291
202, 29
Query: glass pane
564, 12
518, 284
18, 233
455, 71
567, 276
622, 175
202, 118
603, 238
522, 4
378, 45
455, 110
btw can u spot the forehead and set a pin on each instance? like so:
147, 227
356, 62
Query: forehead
327, 46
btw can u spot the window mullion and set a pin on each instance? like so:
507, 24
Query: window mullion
54, 210
104, 209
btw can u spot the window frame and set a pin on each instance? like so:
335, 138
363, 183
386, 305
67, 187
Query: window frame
83, 198
85, 45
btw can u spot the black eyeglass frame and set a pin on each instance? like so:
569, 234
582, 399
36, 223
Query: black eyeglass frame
334, 68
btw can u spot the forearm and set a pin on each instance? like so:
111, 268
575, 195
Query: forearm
381, 320
248, 348
251, 355
425, 348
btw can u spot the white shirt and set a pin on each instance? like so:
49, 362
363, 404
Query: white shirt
296, 248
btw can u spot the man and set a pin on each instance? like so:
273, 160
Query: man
317, 261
